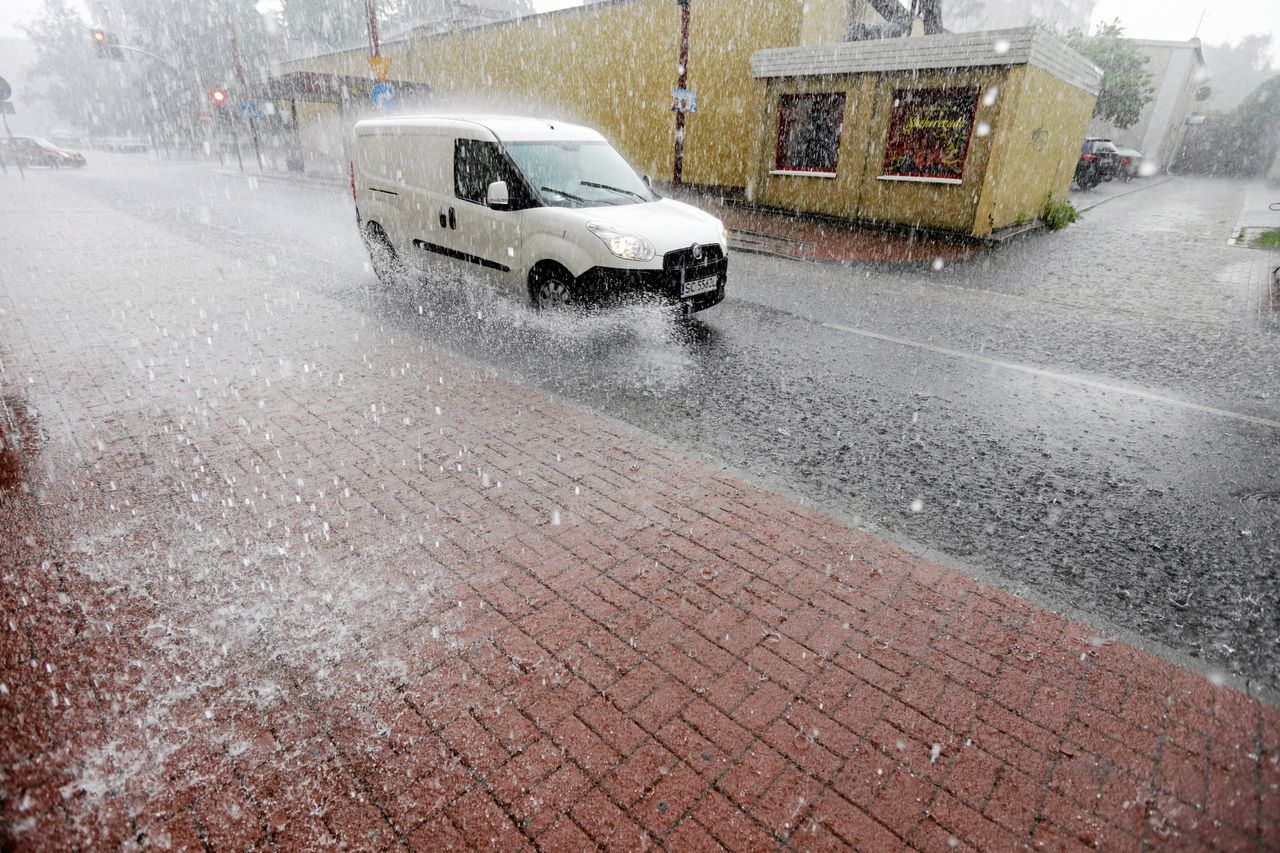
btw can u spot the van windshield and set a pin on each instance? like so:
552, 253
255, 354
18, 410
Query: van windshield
579, 174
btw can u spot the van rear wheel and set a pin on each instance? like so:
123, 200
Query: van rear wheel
382, 255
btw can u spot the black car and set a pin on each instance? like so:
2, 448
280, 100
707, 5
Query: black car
38, 151
1099, 161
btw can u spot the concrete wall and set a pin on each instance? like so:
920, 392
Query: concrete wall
610, 65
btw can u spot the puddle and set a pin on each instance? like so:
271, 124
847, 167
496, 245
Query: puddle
18, 442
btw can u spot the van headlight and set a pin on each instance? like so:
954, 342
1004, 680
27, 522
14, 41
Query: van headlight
623, 244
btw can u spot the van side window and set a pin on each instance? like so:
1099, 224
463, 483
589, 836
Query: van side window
476, 164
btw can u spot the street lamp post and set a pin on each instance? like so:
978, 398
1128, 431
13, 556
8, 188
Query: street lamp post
244, 93
677, 178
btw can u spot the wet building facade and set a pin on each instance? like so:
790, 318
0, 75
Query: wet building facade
612, 65
969, 133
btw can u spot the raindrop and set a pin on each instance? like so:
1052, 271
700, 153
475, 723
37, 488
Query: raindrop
938, 264
917, 505
1001, 47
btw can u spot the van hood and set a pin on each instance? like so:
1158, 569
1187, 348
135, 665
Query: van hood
667, 224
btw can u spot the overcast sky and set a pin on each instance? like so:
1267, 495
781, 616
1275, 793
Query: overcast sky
1224, 20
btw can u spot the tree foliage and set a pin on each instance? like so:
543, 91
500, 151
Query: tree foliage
64, 73
1243, 142
1237, 69
176, 51
315, 26
1126, 84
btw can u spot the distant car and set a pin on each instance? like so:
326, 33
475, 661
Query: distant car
1099, 161
1130, 163
38, 151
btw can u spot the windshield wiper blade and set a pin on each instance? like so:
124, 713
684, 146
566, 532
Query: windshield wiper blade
563, 193
613, 189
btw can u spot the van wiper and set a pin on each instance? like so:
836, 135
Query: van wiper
613, 189
570, 196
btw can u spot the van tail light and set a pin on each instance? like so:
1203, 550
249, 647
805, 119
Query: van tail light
353, 180
1088, 158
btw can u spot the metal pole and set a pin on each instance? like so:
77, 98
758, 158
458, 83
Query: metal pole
244, 93
677, 178
17, 159
371, 6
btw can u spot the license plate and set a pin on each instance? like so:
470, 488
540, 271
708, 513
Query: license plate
699, 286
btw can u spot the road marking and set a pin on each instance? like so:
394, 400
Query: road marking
1060, 377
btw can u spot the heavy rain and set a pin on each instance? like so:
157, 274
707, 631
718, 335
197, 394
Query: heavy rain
639, 424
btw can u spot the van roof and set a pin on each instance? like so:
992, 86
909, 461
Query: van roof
505, 128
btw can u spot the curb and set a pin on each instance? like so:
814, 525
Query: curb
1147, 185
311, 183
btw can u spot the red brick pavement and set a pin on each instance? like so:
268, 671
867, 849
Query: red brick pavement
278, 579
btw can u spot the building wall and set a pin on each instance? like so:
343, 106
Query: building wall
610, 65
1035, 123
1037, 147
825, 21
856, 191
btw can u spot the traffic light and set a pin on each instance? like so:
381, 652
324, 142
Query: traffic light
218, 96
106, 46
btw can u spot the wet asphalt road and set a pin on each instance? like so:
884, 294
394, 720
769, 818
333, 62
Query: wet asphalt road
1091, 419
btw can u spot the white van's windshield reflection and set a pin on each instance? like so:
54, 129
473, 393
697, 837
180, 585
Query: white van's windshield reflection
579, 174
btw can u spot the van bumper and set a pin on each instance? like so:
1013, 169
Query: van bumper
600, 284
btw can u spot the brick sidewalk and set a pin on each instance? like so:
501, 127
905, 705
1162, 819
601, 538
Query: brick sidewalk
277, 576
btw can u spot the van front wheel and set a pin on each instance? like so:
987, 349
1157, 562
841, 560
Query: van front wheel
552, 290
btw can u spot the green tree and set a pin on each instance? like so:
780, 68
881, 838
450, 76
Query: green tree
1237, 69
315, 26
1243, 142
66, 73
1126, 83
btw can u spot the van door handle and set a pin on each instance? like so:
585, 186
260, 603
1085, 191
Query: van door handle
453, 219
444, 220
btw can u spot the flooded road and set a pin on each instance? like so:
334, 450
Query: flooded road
1090, 419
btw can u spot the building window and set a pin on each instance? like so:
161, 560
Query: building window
929, 132
809, 133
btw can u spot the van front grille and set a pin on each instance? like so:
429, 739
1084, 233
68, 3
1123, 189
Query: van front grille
712, 261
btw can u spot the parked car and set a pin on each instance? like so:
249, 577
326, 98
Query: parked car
1130, 163
38, 151
1099, 161
548, 210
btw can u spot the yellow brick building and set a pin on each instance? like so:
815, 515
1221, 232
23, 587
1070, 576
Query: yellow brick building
612, 65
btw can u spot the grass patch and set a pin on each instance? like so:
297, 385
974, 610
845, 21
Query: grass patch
1057, 215
1267, 240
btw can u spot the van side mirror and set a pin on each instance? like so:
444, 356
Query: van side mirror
498, 196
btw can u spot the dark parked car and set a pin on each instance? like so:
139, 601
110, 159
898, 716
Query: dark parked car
38, 151
1099, 161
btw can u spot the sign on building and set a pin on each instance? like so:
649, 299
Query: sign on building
929, 131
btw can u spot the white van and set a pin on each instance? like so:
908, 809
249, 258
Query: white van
548, 210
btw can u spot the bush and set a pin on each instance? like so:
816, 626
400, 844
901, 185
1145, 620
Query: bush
1057, 215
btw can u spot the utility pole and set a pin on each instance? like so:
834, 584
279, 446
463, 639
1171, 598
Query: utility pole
371, 8
244, 94
682, 83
